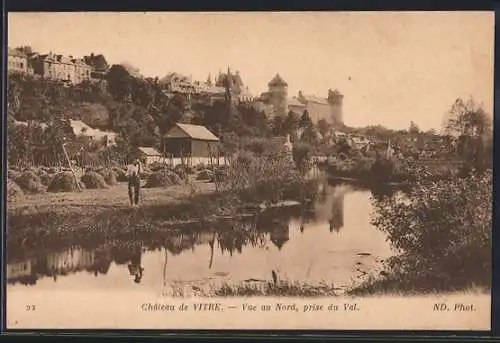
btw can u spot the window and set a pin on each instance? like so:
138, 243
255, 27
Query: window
21, 65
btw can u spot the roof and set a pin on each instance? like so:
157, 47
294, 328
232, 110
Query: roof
149, 151
197, 132
277, 81
295, 102
79, 127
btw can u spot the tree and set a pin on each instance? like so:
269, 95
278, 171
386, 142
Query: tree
467, 119
305, 120
469, 122
414, 129
323, 127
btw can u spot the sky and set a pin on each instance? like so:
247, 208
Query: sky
392, 67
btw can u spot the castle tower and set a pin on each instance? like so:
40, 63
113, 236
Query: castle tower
278, 94
335, 100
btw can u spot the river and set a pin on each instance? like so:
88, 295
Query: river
332, 242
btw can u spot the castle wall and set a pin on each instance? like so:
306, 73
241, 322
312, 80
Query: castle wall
319, 111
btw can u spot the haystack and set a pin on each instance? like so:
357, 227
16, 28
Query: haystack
14, 192
45, 178
161, 179
120, 174
110, 177
205, 175
63, 182
13, 174
93, 180
146, 173
30, 182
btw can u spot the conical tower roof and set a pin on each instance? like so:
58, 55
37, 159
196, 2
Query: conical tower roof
277, 81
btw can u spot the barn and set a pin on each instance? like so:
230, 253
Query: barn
193, 144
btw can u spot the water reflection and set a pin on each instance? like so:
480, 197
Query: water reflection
292, 239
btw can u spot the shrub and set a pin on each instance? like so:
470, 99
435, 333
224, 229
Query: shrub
257, 178
93, 180
63, 182
301, 153
442, 231
159, 179
110, 177
14, 192
30, 182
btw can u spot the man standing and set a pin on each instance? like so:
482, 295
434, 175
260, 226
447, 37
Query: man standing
134, 182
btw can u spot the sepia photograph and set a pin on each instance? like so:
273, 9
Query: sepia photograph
249, 170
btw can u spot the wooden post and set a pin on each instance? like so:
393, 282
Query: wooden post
212, 167
71, 167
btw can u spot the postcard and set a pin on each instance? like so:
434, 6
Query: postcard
259, 170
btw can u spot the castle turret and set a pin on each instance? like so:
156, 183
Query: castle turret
335, 100
278, 94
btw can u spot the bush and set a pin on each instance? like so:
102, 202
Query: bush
301, 153
159, 179
442, 231
110, 177
257, 178
30, 182
14, 192
64, 182
93, 180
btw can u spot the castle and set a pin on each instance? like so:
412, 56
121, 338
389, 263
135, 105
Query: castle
275, 102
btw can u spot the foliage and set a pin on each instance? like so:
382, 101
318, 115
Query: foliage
413, 128
265, 177
302, 153
442, 232
467, 118
282, 288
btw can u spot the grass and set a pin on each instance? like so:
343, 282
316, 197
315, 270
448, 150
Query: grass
281, 288
286, 288
90, 201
